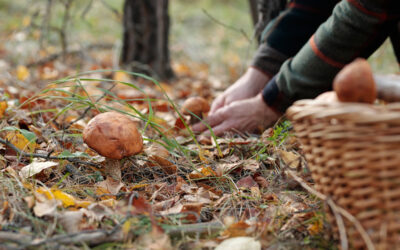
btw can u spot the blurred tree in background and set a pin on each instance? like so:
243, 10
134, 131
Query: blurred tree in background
145, 37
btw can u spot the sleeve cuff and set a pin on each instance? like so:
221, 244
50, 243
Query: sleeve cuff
268, 60
274, 98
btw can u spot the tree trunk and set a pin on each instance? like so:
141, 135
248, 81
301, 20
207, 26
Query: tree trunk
268, 10
253, 11
145, 38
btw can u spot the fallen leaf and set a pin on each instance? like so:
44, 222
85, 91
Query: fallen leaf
203, 172
236, 229
20, 141
247, 182
35, 168
22, 73
71, 220
316, 226
30, 201
3, 107
66, 199
139, 205
251, 165
120, 76
239, 243
45, 205
291, 159
108, 187
155, 240
98, 211
192, 210
261, 181
158, 157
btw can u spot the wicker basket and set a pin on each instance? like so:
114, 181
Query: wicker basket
353, 152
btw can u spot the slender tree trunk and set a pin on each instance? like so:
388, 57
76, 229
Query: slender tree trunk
145, 37
253, 11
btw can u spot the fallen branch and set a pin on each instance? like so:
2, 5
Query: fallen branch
339, 210
241, 31
45, 156
95, 237
197, 228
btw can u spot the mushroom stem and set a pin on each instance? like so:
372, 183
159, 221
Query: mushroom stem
193, 119
112, 168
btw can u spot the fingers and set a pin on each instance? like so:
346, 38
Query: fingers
212, 120
217, 104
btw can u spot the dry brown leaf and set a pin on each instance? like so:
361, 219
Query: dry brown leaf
108, 186
261, 181
246, 182
291, 159
236, 229
44, 206
71, 220
30, 201
155, 240
97, 211
203, 172
251, 165
192, 210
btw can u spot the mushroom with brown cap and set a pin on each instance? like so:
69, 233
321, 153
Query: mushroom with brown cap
355, 83
114, 136
195, 106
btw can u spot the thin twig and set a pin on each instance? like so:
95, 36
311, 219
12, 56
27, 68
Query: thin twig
86, 9
339, 220
112, 9
89, 108
241, 31
333, 206
45, 156
55, 56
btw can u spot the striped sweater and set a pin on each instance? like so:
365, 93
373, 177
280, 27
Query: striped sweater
308, 44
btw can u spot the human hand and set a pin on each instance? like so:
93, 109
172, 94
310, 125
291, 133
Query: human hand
244, 115
247, 86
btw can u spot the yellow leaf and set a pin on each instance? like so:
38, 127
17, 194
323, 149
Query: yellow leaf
3, 107
22, 73
126, 227
83, 204
121, 77
66, 199
20, 141
49, 195
202, 173
26, 21
139, 185
316, 227
182, 69
203, 153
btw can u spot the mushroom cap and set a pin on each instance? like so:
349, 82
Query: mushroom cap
113, 135
355, 83
196, 105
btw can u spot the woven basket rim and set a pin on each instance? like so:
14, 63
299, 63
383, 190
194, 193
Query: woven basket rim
357, 113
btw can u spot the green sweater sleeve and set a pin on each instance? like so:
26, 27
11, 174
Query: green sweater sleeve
355, 29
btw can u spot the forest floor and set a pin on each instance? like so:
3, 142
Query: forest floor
180, 192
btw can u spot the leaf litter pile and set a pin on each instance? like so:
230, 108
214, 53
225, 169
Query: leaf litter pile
179, 192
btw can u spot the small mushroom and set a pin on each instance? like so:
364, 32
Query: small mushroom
355, 83
114, 136
195, 106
